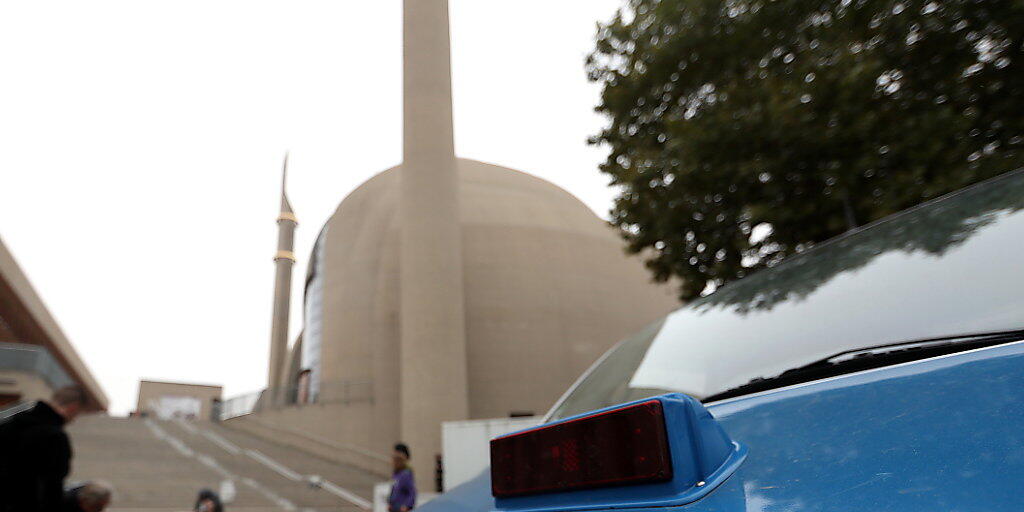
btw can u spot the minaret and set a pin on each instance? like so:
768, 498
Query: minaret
283, 261
433, 338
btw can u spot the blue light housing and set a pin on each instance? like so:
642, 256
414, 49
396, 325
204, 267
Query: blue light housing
661, 451
574, 454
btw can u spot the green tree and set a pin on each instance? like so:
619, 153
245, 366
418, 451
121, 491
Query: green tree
799, 119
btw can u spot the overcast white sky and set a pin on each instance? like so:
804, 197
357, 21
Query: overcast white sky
141, 145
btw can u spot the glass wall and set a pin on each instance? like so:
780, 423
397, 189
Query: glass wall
313, 314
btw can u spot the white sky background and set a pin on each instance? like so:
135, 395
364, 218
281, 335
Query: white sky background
141, 145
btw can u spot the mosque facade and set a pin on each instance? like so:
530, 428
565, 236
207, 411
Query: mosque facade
443, 289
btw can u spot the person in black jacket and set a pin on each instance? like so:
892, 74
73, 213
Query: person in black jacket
37, 453
88, 497
208, 501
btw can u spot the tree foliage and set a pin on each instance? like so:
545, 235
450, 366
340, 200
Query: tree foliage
799, 119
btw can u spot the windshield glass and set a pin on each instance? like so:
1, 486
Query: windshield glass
951, 267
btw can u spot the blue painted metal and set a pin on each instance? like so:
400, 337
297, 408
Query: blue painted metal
940, 434
702, 454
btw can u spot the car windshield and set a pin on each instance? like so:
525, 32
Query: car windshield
950, 267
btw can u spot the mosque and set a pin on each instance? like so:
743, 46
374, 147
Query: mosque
442, 289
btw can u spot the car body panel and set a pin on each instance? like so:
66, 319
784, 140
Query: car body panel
945, 433
940, 434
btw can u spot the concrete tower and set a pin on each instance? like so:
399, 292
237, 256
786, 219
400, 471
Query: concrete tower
283, 261
446, 289
432, 343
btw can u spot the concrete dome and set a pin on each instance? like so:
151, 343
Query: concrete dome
547, 287
443, 289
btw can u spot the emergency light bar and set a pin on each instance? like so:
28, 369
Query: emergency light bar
622, 446
662, 451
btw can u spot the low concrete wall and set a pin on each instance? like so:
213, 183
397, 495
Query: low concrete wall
150, 392
374, 463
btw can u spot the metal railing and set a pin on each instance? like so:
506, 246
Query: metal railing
239, 405
337, 392
10, 410
33, 359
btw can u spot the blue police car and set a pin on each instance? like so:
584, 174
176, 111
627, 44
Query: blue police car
882, 370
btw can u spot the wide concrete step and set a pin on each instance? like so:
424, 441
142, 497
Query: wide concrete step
161, 465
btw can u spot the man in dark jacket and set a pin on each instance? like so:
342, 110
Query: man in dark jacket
208, 501
37, 453
88, 497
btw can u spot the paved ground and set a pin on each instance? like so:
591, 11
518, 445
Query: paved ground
158, 466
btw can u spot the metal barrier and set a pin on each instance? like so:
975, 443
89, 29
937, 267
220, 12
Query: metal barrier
33, 359
239, 405
338, 392
11, 410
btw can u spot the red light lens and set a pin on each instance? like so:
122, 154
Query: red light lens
617, 447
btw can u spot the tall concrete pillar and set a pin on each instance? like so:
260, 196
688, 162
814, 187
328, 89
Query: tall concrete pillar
283, 261
433, 338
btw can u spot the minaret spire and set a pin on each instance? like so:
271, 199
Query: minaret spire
286, 207
283, 261
433, 338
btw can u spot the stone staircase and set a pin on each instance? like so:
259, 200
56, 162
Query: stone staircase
161, 465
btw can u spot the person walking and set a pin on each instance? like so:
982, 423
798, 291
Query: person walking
403, 486
208, 501
88, 497
37, 453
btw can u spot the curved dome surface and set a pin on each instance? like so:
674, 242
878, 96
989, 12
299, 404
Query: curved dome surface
548, 289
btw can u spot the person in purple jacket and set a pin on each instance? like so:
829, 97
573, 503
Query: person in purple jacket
403, 487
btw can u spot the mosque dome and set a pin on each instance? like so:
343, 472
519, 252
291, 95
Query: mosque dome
547, 290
